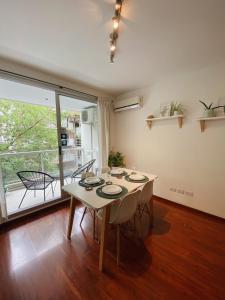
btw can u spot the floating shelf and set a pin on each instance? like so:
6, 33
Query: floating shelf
179, 118
203, 120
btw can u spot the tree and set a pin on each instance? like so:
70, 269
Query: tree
26, 127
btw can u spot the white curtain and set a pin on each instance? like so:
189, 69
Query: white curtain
104, 108
3, 213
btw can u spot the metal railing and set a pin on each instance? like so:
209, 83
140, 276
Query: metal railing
40, 160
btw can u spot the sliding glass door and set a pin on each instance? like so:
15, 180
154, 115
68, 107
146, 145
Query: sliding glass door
78, 135
28, 146
45, 136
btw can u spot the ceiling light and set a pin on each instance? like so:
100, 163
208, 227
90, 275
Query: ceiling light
114, 34
113, 47
115, 23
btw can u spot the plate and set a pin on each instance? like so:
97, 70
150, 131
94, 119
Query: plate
136, 177
92, 179
111, 189
116, 171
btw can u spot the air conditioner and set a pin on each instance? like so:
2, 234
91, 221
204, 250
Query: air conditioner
126, 104
88, 116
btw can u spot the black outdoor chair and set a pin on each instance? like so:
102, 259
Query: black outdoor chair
35, 181
83, 169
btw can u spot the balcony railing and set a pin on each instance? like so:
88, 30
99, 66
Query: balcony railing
42, 160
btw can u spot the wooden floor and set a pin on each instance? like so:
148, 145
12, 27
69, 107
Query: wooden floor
182, 258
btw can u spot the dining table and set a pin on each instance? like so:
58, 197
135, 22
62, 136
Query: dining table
90, 198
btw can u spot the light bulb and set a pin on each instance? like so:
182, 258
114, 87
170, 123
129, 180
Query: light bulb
113, 47
115, 23
117, 6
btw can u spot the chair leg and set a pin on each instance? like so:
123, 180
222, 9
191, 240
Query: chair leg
118, 244
44, 195
22, 198
84, 212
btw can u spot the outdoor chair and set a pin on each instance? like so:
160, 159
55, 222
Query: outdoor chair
35, 181
83, 169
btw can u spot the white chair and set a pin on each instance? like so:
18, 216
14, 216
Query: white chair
121, 213
145, 201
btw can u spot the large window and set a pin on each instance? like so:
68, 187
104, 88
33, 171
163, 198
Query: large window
30, 137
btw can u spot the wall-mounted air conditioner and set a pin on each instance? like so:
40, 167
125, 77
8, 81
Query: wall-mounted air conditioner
88, 115
128, 103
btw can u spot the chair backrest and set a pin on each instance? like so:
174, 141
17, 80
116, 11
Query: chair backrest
29, 177
84, 168
146, 193
126, 208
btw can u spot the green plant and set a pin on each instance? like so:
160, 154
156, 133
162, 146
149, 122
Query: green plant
176, 106
116, 159
210, 106
206, 105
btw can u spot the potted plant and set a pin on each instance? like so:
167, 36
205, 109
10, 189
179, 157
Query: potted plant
116, 159
209, 111
176, 109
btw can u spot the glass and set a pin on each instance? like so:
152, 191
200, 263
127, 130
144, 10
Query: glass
28, 142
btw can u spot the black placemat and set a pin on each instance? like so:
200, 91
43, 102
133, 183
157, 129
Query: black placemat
118, 175
146, 179
84, 184
100, 193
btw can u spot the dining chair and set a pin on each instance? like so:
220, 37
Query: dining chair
35, 181
145, 202
122, 213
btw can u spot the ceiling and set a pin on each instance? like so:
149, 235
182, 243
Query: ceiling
71, 38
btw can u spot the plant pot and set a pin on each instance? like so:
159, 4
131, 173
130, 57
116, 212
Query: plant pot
209, 113
176, 113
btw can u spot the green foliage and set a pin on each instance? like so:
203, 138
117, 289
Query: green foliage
206, 105
176, 106
116, 159
26, 127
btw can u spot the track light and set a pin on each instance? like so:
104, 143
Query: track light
115, 23
114, 34
113, 48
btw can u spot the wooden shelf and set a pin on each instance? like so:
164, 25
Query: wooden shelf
179, 118
203, 120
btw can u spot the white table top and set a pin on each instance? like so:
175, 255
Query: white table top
90, 198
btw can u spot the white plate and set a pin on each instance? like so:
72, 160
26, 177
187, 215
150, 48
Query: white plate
116, 171
92, 180
112, 189
137, 177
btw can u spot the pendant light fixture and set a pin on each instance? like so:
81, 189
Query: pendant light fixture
114, 35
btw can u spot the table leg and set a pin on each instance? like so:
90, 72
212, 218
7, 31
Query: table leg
104, 225
71, 216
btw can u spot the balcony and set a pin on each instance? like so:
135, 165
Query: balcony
44, 160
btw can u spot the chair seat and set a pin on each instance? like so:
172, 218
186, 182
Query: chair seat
38, 185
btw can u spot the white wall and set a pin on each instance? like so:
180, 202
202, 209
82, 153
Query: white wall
184, 159
26, 70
